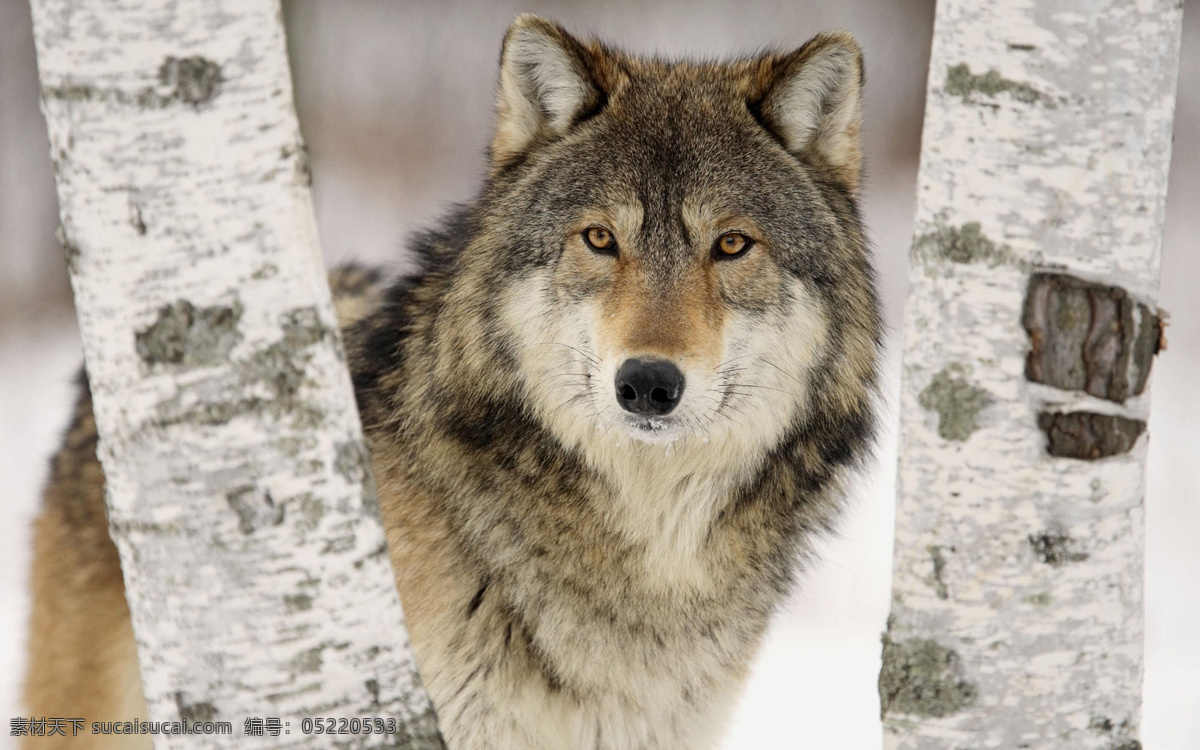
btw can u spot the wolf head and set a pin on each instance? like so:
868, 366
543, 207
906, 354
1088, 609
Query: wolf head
671, 252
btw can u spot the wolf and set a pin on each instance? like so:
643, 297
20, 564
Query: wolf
607, 417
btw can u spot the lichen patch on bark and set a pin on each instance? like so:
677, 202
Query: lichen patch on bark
960, 81
135, 218
1121, 741
923, 678
308, 661
255, 508
961, 244
419, 733
194, 712
352, 461
939, 569
302, 327
297, 602
1056, 547
956, 402
194, 80
274, 376
184, 334
302, 161
310, 510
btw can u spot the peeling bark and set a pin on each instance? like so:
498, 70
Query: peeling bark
238, 489
1089, 337
1030, 328
1089, 436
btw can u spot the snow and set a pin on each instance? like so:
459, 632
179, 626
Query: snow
37, 371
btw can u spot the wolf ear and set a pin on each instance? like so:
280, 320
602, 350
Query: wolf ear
545, 84
813, 103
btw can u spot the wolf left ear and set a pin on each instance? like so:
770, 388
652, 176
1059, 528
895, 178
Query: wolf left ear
813, 103
545, 85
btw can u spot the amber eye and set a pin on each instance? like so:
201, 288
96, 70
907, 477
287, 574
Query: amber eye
731, 245
600, 239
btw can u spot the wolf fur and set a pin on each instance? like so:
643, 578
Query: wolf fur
575, 575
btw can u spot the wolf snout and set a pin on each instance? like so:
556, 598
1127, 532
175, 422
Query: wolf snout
649, 387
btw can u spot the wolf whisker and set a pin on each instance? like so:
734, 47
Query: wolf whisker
765, 388
785, 373
590, 359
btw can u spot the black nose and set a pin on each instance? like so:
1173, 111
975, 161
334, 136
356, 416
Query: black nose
649, 386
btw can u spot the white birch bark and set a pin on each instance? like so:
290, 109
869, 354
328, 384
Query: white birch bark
239, 491
1016, 618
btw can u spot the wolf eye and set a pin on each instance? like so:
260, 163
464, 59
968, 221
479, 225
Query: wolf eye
731, 245
601, 240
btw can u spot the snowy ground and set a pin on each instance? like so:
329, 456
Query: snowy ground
37, 366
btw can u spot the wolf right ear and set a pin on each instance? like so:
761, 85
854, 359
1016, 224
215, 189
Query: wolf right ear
546, 83
812, 101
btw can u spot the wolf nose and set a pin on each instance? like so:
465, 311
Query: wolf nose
649, 387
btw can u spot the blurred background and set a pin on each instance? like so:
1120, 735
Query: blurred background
395, 102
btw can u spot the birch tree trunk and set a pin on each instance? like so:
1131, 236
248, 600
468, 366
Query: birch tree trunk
239, 490
1016, 617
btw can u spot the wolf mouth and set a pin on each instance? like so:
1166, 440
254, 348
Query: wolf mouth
654, 429
653, 425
